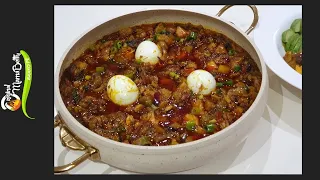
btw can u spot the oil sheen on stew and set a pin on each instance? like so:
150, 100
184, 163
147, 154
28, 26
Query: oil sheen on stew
167, 111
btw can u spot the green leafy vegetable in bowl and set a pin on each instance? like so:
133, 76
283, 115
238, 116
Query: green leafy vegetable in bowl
292, 42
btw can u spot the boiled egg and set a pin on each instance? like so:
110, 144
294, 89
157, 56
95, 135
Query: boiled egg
122, 90
148, 52
201, 82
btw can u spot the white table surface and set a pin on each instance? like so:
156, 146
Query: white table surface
274, 146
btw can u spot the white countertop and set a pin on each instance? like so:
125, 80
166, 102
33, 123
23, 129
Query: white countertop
274, 146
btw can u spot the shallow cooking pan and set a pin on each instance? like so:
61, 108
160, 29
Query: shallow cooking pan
155, 159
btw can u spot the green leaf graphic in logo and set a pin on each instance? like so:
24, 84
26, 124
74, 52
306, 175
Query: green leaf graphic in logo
27, 82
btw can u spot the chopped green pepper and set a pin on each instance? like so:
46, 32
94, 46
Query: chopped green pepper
237, 68
113, 50
219, 84
231, 52
230, 83
118, 45
210, 127
192, 36
191, 125
99, 69
174, 75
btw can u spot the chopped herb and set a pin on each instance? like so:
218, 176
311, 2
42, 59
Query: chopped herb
231, 52
237, 68
210, 127
75, 96
192, 36
103, 40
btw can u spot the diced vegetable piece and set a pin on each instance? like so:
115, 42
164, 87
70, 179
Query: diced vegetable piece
237, 68
103, 40
211, 66
181, 33
87, 77
191, 117
174, 75
182, 55
188, 48
118, 45
219, 84
190, 125
230, 82
299, 69
238, 110
174, 142
113, 50
286, 35
296, 25
196, 110
210, 127
192, 36
231, 52
223, 69
99, 69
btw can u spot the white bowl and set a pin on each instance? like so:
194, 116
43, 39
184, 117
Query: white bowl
268, 39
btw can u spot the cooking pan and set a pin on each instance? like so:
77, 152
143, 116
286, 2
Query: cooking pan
157, 159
